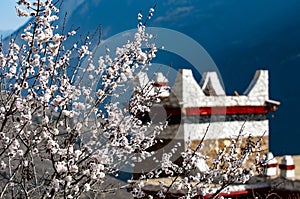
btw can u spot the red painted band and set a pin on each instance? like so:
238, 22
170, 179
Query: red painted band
159, 84
286, 167
231, 110
272, 165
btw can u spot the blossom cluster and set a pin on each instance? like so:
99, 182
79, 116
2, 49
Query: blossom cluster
60, 135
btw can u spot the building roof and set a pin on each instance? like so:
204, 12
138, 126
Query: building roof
257, 184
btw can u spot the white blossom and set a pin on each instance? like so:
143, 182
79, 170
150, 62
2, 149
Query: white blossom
62, 133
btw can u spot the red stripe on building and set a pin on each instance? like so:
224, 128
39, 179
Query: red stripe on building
159, 84
272, 165
286, 167
231, 110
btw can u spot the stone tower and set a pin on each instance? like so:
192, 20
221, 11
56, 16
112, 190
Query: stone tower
191, 107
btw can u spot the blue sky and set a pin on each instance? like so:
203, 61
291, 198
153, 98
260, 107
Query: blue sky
9, 19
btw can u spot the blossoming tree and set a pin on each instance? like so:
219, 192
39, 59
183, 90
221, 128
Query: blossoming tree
61, 135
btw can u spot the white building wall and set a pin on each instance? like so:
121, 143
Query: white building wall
220, 130
188, 92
